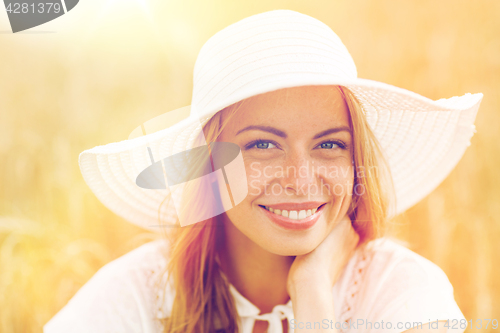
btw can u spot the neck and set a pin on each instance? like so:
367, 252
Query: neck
258, 275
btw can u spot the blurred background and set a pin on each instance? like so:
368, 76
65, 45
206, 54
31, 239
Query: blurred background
91, 76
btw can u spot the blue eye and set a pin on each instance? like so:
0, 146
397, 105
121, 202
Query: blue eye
264, 145
332, 145
328, 145
260, 144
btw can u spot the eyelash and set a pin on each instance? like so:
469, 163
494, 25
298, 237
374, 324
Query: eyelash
339, 143
254, 143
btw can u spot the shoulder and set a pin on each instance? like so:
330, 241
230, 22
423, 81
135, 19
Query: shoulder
391, 259
120, 297
400, 285
149, 257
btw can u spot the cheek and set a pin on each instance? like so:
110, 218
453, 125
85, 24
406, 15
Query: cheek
337, 179
259, 174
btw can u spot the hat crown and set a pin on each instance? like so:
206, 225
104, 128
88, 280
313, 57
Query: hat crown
263, 52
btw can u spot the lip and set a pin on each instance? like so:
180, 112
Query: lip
296, 206
290, 224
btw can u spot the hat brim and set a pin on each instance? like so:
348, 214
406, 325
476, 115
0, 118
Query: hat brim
422, 141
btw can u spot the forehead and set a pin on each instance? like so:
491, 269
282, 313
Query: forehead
293, 109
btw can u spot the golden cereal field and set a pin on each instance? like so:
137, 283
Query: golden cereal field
93, 75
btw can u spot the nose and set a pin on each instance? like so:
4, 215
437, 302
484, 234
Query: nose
298, 175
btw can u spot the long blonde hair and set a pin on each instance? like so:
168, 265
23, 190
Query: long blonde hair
203, 301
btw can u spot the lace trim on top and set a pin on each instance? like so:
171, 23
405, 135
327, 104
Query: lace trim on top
364, 258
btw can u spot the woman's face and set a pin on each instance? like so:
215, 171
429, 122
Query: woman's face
297, 147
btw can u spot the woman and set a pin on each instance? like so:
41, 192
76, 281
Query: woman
294, 243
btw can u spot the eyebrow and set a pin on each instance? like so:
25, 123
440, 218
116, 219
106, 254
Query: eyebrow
332, 130
269, 129
282, 134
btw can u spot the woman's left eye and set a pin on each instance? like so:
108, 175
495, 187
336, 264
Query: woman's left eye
264, 145
330, 145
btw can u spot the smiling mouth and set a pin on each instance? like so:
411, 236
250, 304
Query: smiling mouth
294, 214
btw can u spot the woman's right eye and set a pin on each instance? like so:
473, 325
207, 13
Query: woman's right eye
260, 144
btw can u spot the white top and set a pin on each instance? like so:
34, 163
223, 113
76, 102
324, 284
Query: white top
385, 282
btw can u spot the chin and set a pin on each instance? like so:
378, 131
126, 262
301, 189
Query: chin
291, 248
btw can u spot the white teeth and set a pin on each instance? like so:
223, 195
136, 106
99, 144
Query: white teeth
293, 214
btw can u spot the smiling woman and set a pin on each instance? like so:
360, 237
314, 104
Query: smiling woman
274, 134
329, 158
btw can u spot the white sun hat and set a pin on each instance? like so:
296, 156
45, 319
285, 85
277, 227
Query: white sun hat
421, 139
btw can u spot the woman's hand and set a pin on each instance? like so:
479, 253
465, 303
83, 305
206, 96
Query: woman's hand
312, 276
326, 262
